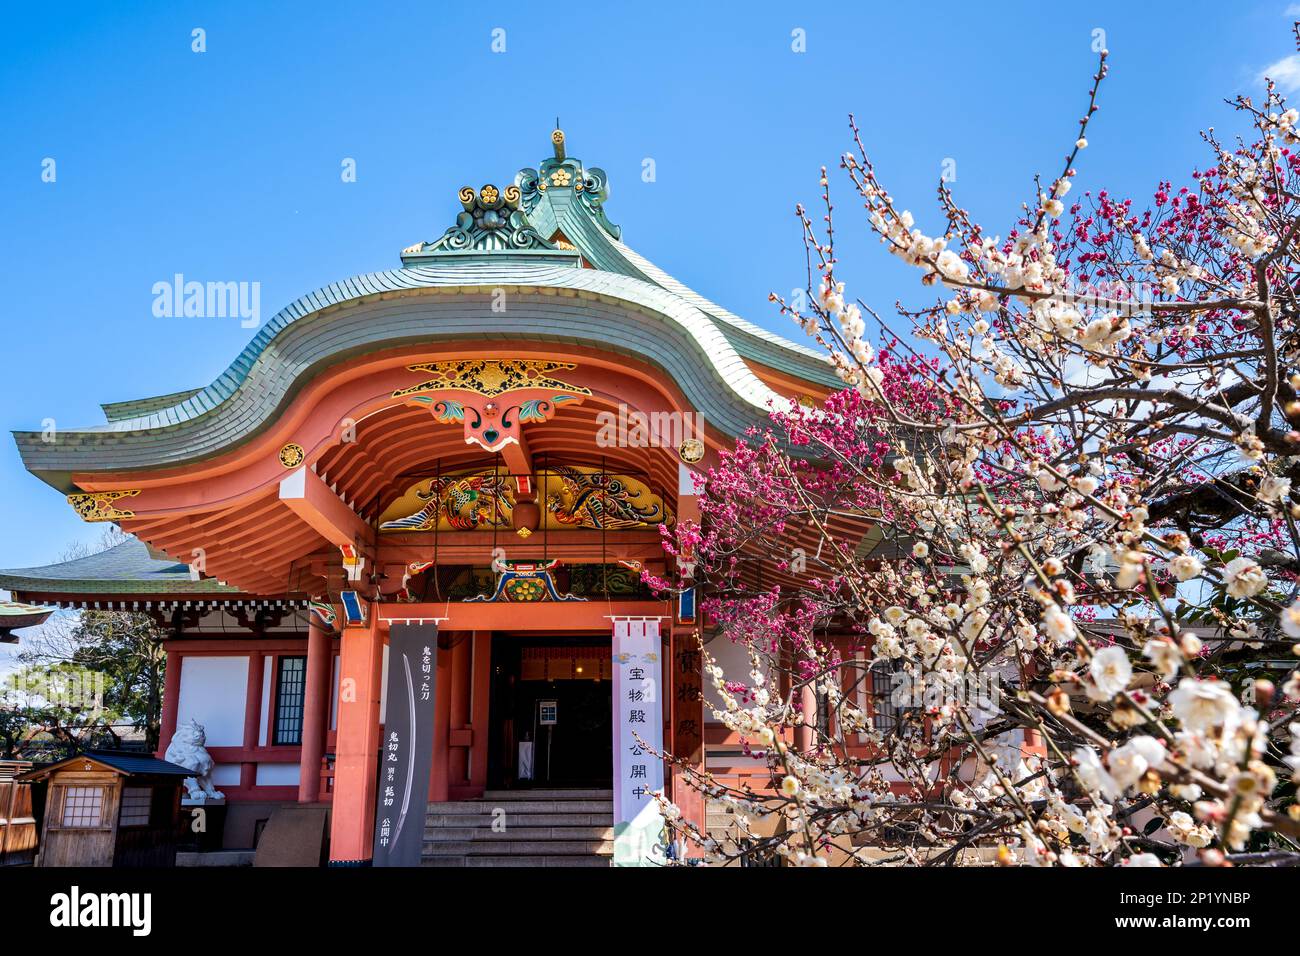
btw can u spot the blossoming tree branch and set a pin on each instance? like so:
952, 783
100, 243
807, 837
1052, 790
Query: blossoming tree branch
1025, 591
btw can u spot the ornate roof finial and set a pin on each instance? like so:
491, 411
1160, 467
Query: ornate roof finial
590, 185
492, 220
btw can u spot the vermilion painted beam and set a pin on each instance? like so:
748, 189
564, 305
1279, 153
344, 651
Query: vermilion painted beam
574, 539
516, 549
311, 500
544, 616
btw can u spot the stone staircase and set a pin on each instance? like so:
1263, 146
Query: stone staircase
532, 828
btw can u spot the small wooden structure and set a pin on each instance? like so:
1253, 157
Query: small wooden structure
109, 808
17, 824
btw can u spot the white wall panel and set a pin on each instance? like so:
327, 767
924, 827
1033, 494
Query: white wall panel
225, 775
277, 775
213, 692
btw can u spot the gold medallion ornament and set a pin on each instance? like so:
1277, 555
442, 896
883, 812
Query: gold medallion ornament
691, 450
292, 455
98, 505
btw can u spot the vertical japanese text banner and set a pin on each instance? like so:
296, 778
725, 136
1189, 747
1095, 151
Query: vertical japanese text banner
407, 751
638, 739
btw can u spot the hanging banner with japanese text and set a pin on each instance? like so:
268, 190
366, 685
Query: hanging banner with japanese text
406, 755
638, 738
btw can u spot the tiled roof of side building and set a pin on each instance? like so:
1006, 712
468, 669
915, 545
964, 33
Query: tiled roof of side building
126, 568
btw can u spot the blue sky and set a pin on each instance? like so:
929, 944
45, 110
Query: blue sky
225, 165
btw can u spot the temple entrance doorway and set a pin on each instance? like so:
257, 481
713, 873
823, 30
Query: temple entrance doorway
551, 713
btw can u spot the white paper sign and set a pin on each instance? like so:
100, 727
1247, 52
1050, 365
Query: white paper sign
638, 739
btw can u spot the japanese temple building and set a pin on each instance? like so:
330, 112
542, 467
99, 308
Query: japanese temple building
486, 439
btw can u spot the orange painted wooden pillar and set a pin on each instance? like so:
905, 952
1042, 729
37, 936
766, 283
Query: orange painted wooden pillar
482, 682
461, 682
252, 717
356, 765
171, 699
439, 780
805, 737
315, 709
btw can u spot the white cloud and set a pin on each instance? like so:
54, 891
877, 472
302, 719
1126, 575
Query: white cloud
1285, 73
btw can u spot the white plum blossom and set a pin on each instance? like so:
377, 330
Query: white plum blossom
1243, 578
1185, 567
1060, 628
1164, 655
1129, 762
1273, 489
1111, 672
1289, 619
1184, 829
1065, 473
1094, 775
1203, 705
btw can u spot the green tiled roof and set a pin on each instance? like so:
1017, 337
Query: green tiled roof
125, 569
624, 304
120, 411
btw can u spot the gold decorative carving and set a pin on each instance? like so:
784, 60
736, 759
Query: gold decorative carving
98, 505
292, 455
691, 450
491, 377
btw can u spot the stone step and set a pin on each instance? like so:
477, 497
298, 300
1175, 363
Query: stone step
486, 807
520, 820
453, 833
516, 861
518, 847
541, 793
543, 828
215, 858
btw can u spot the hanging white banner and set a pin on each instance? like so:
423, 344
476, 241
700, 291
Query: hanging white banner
638, 738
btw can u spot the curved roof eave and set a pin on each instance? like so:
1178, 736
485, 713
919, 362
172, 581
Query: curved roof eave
166, 436
558, 212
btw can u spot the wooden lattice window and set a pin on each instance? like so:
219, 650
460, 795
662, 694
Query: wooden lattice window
136, 804
884, 681
291, 683
83, 807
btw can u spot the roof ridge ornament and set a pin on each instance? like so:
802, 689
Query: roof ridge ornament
590, 185
491, 220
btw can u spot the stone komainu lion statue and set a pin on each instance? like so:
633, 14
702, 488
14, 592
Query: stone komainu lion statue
186, 750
